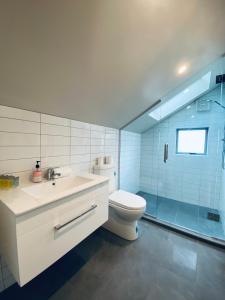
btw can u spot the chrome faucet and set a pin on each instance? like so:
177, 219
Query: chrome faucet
51, 174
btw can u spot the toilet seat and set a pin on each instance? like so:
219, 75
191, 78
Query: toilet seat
127, 200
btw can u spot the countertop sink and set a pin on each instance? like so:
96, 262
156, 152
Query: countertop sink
29, 196
55, 187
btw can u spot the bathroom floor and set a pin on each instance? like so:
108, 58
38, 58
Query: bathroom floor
159, 265
186, 215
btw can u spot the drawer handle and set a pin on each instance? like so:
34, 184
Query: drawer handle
60, 226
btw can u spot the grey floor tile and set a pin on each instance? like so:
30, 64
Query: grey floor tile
159, 265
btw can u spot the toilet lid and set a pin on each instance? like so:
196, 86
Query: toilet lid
127, 200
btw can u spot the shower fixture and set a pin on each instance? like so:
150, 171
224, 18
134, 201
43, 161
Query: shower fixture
212, 101
219, 104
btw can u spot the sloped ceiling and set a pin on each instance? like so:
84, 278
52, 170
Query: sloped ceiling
103, 61
144, 122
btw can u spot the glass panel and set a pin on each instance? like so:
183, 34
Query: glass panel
182, 189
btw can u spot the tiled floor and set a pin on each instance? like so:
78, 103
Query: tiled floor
160, 265
186, 215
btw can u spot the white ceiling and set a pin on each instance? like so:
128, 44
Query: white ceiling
103, 61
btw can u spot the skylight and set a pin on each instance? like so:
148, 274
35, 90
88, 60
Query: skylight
187, 95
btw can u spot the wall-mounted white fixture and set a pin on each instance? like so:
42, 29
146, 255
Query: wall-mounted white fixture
41, 223
124, 208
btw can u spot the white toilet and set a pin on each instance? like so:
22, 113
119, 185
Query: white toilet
124, 208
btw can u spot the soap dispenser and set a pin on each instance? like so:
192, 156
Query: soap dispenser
37, 173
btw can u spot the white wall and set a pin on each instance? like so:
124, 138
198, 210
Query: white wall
188, 178
29, 136
130, 161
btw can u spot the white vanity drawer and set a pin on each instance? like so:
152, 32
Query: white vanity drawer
61, 210
43, 246
47, 236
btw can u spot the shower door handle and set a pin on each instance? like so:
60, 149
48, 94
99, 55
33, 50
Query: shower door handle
164, 158
223, 167
166, 147
167, 151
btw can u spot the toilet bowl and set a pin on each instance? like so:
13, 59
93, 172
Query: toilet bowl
124, 211
124, 208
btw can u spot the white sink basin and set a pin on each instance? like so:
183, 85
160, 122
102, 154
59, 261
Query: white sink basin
56, 188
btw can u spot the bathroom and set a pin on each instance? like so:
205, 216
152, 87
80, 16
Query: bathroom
112, 152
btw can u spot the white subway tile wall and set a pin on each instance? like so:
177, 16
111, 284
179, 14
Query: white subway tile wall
189, 178
130, 150
27, 136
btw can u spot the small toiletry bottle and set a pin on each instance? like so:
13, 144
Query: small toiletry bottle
37, 174
5, 182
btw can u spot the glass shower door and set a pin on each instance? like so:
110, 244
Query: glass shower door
169, 183
189, 166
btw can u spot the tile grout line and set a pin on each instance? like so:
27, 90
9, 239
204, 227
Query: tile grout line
18, 119
19, 132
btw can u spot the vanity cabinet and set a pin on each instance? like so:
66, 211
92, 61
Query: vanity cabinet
33, 241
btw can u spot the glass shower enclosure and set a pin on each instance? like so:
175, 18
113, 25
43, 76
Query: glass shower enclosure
175, 159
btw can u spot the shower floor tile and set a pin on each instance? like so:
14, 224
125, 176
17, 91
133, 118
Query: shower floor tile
183, 214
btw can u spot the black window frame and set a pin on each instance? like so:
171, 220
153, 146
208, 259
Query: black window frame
206, 129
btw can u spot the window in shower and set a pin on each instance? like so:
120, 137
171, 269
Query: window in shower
192, 141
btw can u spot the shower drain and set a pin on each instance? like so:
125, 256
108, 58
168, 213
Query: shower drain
213, 217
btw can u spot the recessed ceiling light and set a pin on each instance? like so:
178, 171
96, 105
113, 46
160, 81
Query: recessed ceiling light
182, 69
